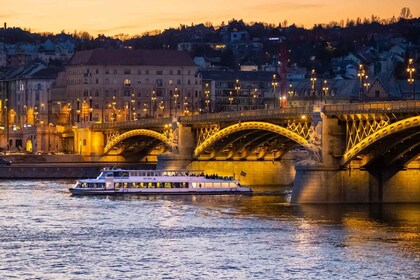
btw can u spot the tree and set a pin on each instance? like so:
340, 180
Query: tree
405, 13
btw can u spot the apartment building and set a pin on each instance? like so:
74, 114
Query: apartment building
108, 85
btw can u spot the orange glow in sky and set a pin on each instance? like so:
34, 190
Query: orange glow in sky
133, 17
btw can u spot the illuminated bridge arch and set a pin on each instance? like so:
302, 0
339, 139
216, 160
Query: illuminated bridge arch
137, 132
246, 126
379, 135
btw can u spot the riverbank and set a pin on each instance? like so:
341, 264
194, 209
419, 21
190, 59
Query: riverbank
58, 167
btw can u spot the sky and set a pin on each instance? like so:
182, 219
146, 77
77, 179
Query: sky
133, 17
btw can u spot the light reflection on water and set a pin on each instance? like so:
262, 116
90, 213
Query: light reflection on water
48, 234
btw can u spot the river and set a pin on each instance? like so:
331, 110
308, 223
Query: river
47, 234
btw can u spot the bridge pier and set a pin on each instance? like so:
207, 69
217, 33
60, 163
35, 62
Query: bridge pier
327, 182
328, 185
184, 156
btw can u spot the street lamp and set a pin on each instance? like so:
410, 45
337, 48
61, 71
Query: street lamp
290, 92
69, 113
313, 80
411, 69
363, 81
162, 107
144, 109
186, 110
90, 109
274, 83
132, 109
324, 90
152, 103
78, 110
237, 88
255, 96
207, 101
230, 100
176, 95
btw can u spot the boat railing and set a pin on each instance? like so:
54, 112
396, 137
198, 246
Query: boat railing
121, 173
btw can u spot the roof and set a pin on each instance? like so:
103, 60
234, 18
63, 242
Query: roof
132, 57
233, 75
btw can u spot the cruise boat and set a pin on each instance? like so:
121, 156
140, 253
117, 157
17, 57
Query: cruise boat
118, 181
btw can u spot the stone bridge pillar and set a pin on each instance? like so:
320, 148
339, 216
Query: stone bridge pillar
186, 146
89, 143
320, 181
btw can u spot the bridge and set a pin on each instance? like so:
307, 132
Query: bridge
356, 152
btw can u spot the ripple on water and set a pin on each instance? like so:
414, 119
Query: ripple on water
48, 234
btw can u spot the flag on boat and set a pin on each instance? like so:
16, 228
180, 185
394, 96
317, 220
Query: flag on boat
243, 173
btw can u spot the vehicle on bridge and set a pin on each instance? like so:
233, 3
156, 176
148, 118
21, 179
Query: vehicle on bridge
168, 182
5, 161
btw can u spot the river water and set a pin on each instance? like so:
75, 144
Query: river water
47, 234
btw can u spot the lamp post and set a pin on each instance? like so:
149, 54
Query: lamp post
324, 90
274, 83
69, 113
186, 110
237, 88
90, 109
176, 95
132, 107
78, 110
144, 109
207, 101
313, 80
364, 84
230, 100
255, 96
411, 69
152, 103
290, 92
25, 118
162, 107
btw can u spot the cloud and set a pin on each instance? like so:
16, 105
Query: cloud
286, 6
5, 16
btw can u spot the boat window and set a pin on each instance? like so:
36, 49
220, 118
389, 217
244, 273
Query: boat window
117, 185
109, 174
225, 185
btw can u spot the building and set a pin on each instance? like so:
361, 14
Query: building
108, 85
238, 90
25, 105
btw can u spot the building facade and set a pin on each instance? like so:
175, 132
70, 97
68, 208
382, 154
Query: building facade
107, 85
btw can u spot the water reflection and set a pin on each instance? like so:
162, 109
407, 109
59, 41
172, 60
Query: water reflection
260, 236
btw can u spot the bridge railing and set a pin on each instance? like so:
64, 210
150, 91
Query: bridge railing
377, 107
247, 115
132, 124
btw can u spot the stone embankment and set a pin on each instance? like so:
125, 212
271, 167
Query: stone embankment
57, 167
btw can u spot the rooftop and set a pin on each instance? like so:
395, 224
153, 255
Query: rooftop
132, 57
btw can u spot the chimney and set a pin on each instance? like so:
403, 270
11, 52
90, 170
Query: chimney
5, 25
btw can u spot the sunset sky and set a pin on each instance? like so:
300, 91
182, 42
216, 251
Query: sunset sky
133, 17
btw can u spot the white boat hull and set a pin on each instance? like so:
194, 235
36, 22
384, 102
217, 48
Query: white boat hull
145, 191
